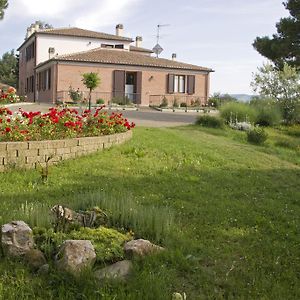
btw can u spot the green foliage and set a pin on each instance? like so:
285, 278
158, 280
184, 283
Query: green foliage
257, 136
164, 102
217, 100
108, 242
268, 112
91, 81
282, 85
75, 95
210, 121
283, 47
100, 101
236, 111
3, 6
183, 104
9, 69
121, 100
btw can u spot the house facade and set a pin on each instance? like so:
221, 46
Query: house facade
53, 60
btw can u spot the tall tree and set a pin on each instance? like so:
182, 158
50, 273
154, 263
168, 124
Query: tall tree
9, 69
3, 5
283, 47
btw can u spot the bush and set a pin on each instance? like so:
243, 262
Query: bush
164, 103
257, 136
217, 100
183, 104
108, 243
100, 101
268, 112
210, 121
239, 112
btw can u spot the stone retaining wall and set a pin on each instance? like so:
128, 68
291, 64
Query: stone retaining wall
29, 154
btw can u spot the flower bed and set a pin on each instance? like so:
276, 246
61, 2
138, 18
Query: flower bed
10, 96
29, 139
59, 124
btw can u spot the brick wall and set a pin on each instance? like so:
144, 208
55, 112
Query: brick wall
27, 155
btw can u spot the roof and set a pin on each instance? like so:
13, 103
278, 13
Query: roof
140, 49
78, 32
122, 57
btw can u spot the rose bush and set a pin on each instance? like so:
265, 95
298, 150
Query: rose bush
9, 96
59, 124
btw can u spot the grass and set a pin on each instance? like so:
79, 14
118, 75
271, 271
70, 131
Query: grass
233, 210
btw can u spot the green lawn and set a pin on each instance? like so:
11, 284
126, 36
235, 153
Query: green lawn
235, 232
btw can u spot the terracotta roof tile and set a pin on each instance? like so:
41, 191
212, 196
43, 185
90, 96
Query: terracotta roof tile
140, 49
123, 57
74, 31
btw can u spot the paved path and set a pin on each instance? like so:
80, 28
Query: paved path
143, 117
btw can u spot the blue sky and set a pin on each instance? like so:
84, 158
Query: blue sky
210, 33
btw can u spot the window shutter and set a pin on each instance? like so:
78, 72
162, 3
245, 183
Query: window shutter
138, 97
191, 84
170, 84
119, 83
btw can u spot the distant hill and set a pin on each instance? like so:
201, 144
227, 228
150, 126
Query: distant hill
242, 97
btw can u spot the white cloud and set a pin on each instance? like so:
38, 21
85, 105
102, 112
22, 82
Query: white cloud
107, 12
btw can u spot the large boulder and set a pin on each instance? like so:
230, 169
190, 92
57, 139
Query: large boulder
120, 271
75, 255
140, 248
17, 238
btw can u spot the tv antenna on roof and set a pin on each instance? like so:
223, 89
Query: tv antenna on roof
157, 49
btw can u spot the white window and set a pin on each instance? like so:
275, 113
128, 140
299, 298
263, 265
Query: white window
179, 84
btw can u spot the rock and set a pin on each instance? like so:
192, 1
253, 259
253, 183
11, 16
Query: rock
120, 271
141, 248
75, 255
35, 258
178, 296
44, 270
17, 238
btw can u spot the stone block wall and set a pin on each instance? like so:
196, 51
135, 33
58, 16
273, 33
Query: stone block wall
27, 155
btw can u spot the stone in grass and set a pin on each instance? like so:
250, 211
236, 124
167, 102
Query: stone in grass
35, 258
17, 238
75, 255
141, 248
43, 270
119, 271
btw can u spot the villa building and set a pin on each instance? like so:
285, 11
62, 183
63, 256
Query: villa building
53, 60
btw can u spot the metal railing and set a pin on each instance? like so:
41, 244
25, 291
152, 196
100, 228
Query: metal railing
177, 101
110, 99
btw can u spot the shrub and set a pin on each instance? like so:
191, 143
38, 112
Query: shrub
75, 95
100, 101
210, 121
257, 136
183, 104
268, 112
108, 243
164, 102
239, 112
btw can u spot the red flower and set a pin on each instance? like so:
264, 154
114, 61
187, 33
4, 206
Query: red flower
7, 129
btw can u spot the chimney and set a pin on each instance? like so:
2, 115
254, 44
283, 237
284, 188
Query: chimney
119, 30
36, 26
28, 34
138, 41
174, 56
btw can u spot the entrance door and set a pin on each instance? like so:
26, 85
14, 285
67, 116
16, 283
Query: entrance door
130, 86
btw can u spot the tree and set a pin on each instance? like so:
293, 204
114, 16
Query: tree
3, 5
217, 100
9, 69
283, 47
91, 81
281, 85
